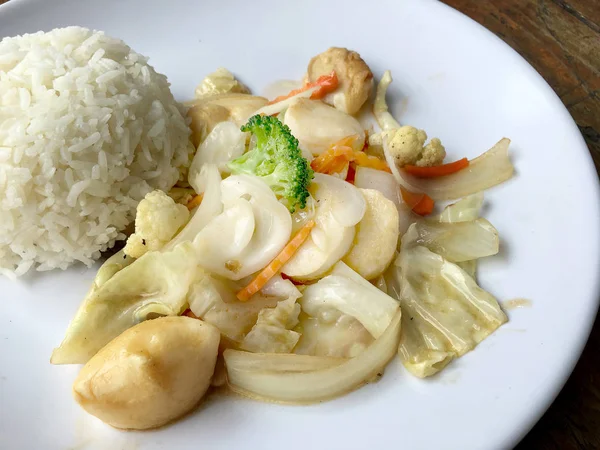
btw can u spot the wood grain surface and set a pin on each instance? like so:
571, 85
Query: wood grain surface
561, 39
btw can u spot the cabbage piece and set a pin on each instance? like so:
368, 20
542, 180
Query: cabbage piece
223, 144
213, 300
111, 266
464, 210
445, 312
331, 334
457, 242
307, 379
155, 284
346, 291
233, 247
273, 331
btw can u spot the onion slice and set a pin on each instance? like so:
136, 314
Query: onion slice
276, 377
276, 108
487, 170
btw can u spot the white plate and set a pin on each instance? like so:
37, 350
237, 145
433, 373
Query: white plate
461, 84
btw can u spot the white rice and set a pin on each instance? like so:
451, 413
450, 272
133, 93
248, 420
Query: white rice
87, 128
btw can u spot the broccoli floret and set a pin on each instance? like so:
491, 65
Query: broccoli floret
277, 160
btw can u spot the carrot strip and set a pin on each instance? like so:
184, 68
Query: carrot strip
437, 171
275, 266
425, 206
325, 84
421, 204
362, 159
323, 162
195, 201
338, 164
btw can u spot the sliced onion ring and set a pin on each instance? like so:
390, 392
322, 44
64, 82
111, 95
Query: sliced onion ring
487, 170
276, 377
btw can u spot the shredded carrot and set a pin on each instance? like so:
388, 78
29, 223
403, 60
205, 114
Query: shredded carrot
323, 162
325, 84
275, 266
421, 204
339, 164
348, 141
195, 201
437, 171
362, 159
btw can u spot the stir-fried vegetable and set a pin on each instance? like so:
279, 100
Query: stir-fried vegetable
275, 266
487, 170
331, 333
277, 160
273, 331
307, 270
253, 228
340, 206
404, 144
341, 153
195, 202
207, 183
436, 171
459, 241
386, 184
155, 284
307, 379
421, 204
322, 86
158, 219
223, 144
213, 300
348, 292
318, 126
445, 313
376, 236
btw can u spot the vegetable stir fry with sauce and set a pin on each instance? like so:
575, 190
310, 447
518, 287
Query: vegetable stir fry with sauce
313, 250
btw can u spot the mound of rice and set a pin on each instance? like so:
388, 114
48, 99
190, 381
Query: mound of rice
87, 128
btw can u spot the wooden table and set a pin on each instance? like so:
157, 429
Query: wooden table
561, 39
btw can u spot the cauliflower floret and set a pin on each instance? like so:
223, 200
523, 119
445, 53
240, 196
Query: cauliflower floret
354, 76
221, 81
158, 219
433, 154
406, 144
